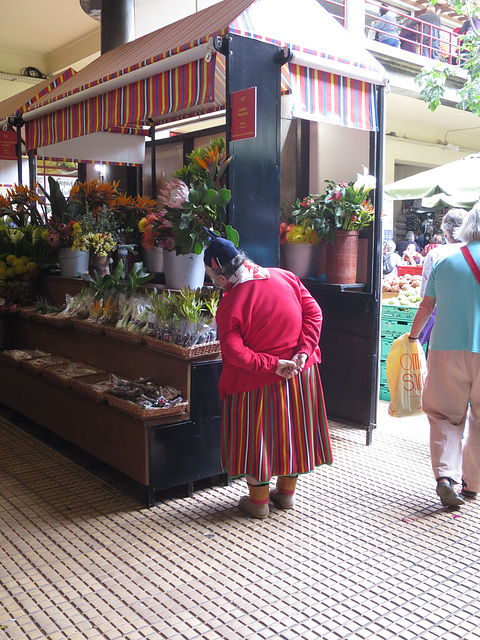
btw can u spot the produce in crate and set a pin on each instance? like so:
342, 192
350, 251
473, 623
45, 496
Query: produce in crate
406, 287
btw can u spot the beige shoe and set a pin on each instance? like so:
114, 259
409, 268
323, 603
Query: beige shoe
256, 510
282, 500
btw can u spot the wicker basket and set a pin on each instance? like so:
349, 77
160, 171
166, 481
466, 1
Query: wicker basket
145, 414
59, 374
38, 365
188, 353
57, 320
124, 335
84, 385
18, 359
88, 327
25, 312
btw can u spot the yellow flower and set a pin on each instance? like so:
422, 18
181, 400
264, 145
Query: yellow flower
10, 259
45, 234
142, 225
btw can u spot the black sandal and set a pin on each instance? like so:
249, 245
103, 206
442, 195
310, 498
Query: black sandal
466, 493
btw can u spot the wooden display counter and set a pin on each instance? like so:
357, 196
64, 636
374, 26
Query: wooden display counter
157, 453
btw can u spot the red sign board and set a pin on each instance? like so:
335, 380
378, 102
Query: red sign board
8, 145
244, 114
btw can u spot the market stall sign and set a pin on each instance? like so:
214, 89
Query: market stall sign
8, 145
244, 114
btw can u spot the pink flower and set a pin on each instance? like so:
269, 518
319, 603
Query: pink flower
169, 244
53, 239
336, 195
175, 194
63, 228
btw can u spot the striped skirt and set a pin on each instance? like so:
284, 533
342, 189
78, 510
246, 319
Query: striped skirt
280, 429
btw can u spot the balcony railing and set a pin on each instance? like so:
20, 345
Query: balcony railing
417, 36
336, 8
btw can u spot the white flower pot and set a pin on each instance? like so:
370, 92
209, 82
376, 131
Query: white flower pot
153, 259
184, 270
73, 263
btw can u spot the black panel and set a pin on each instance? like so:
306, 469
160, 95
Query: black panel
183, 453
254, 174
205, 400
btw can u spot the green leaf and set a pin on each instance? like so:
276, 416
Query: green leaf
232, 234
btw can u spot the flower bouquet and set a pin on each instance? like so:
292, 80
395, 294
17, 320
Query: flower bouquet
196, 199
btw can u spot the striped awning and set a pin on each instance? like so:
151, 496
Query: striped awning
129, 109
325, 97
155, 79
21, 102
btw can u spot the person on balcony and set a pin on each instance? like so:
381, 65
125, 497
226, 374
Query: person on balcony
273, 414
386, 28
409, 36
467, 29
430, 33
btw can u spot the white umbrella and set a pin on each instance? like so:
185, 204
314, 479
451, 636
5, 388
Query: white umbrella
456, 184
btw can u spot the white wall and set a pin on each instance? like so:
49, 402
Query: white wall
150, 16
336, 153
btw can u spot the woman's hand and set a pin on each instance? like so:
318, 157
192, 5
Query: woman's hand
286, 369
300, 360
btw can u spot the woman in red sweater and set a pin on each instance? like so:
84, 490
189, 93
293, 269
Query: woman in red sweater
273, 413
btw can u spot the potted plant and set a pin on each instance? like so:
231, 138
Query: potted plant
339, 214
195, 203
156, 234
23, 253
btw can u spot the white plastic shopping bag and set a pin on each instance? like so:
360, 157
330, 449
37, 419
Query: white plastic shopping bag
406, 370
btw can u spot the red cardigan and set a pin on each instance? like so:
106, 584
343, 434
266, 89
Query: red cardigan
262, 321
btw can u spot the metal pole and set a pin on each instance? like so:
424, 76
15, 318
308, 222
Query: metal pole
19, 154
153, 161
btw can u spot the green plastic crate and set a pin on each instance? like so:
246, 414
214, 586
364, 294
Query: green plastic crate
384, 392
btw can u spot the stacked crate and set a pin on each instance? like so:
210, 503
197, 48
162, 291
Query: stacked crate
395, 322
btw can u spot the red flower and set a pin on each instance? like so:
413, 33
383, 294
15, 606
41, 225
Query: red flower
336, 196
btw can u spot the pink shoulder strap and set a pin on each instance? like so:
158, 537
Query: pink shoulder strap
471, 262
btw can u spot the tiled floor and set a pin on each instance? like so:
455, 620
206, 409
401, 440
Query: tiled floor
368, 553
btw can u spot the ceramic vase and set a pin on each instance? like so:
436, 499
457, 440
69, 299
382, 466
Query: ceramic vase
342, 258
153, 260
303, 259
99, 264
185, 270
73, 262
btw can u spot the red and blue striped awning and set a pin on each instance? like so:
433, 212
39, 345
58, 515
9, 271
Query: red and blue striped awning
325, 97
198, 87
129, 109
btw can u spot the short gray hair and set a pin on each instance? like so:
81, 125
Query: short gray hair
470, 229
391, 246
410, 235
452, 221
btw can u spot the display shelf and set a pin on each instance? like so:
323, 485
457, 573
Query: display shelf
155, 450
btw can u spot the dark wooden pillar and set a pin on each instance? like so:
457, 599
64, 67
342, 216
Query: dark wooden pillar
118, 23
117, 28
254, 173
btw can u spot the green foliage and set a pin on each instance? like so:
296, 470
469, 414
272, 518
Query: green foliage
432, 80
432, 83
112, 284
206, 205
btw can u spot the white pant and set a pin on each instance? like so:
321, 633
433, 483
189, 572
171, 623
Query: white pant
453, 381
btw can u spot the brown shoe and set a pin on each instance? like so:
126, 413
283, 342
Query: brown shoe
282, 500
260, 511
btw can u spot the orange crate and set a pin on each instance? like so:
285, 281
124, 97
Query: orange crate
413, 271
